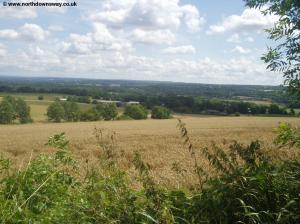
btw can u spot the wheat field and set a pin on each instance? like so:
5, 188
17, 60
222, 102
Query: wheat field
158, 141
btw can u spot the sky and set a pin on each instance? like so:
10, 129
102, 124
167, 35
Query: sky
195, 41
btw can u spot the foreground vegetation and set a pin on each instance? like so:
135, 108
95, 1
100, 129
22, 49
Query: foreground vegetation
248, 187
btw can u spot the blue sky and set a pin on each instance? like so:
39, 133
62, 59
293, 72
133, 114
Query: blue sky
169, 40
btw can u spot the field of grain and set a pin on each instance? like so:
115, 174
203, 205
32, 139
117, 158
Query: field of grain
158, 141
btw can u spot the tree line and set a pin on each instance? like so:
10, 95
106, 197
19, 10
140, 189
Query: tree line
199, 105
70, 111
16, 109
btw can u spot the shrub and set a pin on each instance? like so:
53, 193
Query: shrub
123, 117
287, 136
237, 114
137, 112
160, 112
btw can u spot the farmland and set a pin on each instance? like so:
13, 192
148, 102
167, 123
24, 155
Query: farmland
158, 141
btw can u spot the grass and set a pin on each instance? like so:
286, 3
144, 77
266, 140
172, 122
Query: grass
157, 140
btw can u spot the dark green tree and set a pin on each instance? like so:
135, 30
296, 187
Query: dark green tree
72, 111
89, 115
285, 57
56, 112
13, 103
137, 112
7, 112
23, 111
110, 111
160, 112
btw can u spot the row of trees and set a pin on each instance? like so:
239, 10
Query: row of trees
199, 105
12, 109
70, 111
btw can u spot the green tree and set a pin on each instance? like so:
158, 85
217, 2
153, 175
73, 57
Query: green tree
110, 112
56, 112
89, 115
292, 112
137, 112
23, 111
72, 111
7, 112
11, 100
160, 112
275, 109
285, 57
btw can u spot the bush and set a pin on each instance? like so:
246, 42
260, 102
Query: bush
237, 114
124, 117
160, 112
136, 112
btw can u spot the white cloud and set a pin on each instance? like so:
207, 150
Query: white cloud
56, 28
102, 35
250, 19
17, 12
28, 32
117, 65
188, 49
29, 12
2, 50
241, 50
235, 38
33, 32
101, 39
9, 34
104, 46
150, 14
193, 19
153, 36
250, 39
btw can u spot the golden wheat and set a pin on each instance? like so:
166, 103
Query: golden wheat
158, 141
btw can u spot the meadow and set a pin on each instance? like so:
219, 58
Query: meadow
158, 141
